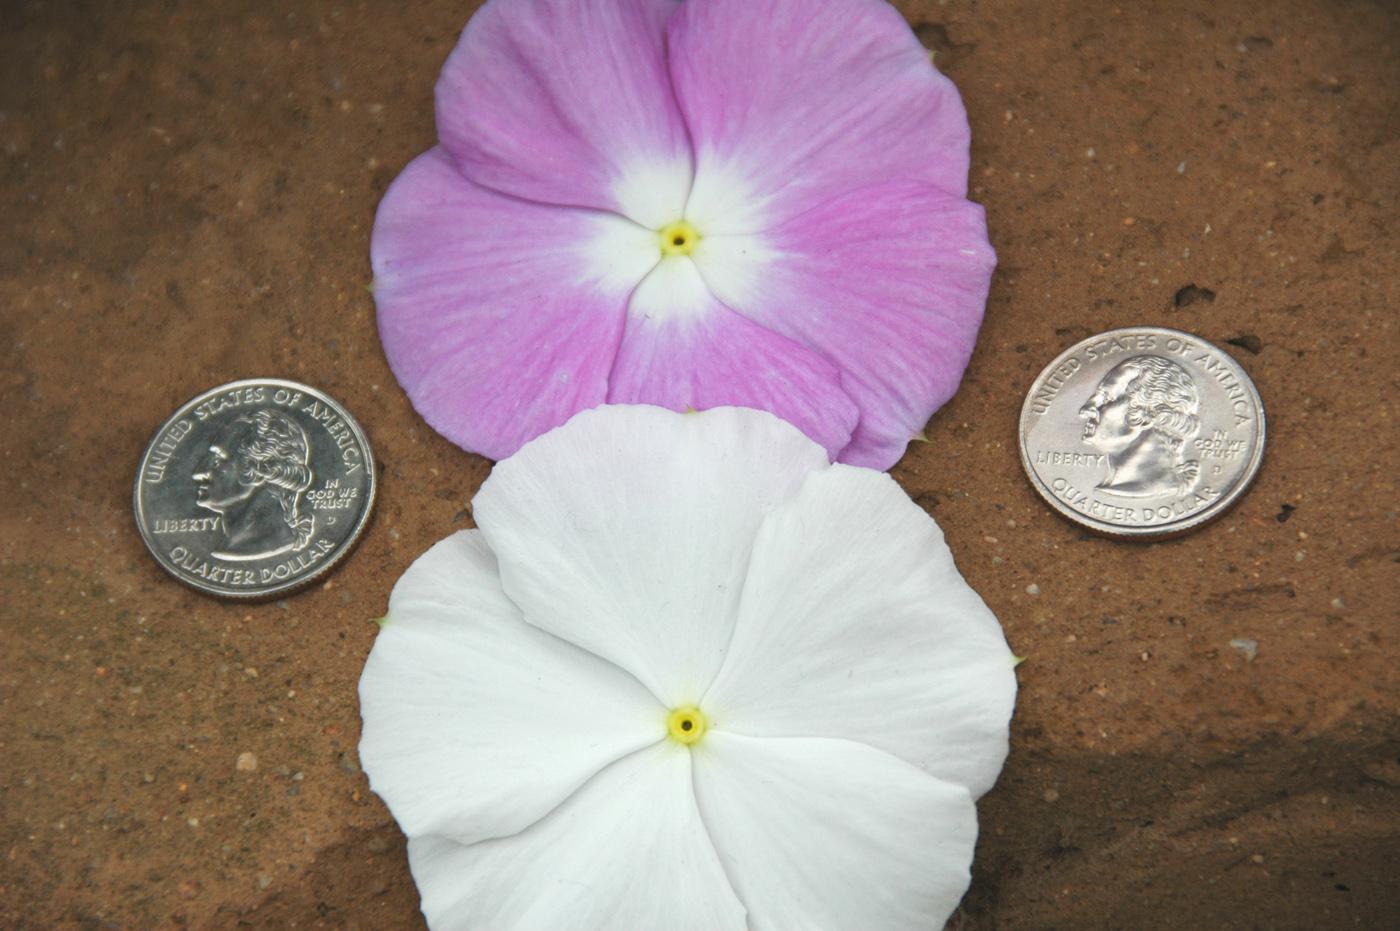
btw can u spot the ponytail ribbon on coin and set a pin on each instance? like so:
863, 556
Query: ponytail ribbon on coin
687, 675
731, 202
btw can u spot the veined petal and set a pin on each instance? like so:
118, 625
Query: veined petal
791, 102
856, 624
476, 724
627, 852
499, 317
834, 834
627, 531
889, 283
569, 102
681, 348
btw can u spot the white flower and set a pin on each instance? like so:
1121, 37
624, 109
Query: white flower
687, 675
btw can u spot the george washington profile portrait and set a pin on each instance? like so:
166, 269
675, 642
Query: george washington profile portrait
253, 477
1141, 415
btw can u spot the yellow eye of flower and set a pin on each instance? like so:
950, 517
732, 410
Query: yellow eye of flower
687, 725
679, 238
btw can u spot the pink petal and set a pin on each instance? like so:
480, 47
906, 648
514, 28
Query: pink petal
569, 102
889, 284
683, 349
499, 317
790, 102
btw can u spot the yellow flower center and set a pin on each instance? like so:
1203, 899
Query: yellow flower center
687, 725
679, 238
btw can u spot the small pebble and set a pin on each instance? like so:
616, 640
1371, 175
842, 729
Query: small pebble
1250, 648
247, 762
1338, 604
1051, 795
1032, 589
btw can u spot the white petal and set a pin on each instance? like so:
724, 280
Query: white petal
627, 531
627, 852
855, 623
831, 834
475, 723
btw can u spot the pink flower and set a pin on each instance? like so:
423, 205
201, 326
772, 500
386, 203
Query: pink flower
730, 202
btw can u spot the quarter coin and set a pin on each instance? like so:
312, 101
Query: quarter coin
1143, 432
254, 488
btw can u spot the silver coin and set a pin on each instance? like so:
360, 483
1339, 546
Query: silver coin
1142, 432
254, 488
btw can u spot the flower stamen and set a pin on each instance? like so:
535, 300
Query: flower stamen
679, 238
687, 725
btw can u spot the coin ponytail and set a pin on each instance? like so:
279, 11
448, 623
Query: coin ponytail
1186, 474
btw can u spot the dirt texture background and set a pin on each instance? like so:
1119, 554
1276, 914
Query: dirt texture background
187, 192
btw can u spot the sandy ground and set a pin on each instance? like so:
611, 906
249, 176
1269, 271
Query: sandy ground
187, 192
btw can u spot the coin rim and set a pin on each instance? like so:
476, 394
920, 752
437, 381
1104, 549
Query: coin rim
292, 584
1157, 531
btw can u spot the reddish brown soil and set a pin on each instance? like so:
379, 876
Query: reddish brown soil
187, 192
